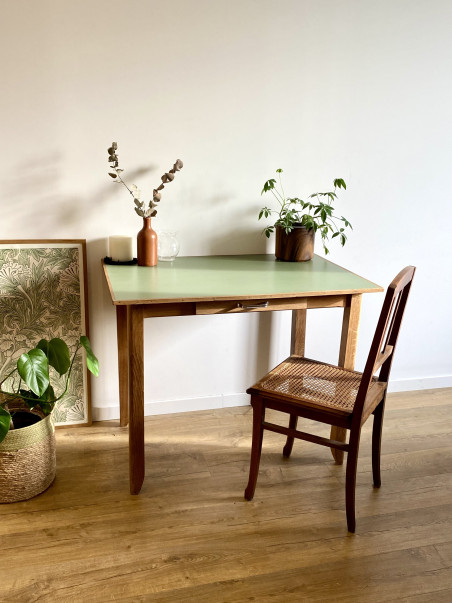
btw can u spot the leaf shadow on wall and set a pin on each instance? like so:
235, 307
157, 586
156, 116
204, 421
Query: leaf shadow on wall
32, 193
239, 240
231, 236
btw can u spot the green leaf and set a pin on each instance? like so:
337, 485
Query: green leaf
279, 171
26, 393
33, 368
46, 407
57, 353
48, 396
261, 214
340, 183
91, 361
269, 185
5, 420
346, 222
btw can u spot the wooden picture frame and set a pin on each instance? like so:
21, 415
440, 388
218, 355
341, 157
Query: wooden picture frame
43, 294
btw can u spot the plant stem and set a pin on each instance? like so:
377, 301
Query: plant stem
122, 182
278, 197
68, 374
282, 189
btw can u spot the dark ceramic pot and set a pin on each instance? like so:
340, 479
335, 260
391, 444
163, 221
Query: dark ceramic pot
295, 246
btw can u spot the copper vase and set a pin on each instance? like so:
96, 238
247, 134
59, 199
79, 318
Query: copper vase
147, 245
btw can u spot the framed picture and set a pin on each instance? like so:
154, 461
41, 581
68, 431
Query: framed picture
43, 294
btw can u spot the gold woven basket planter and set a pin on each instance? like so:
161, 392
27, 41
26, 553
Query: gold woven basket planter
27, 461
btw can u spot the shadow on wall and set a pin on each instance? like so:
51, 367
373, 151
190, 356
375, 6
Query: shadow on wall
33, 191
97, 249
241, 240
263, 357
99, 294
238, 239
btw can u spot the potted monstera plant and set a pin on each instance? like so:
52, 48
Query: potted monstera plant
298, 220
27, 398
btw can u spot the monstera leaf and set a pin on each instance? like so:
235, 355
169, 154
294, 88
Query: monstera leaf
33, 368
5, 420
57, 353
91, 361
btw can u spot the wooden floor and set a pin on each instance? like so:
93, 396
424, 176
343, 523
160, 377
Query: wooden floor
191, 536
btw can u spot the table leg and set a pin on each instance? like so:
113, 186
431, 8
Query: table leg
298, 338
347, 353
123, 363
297, 346
136, 399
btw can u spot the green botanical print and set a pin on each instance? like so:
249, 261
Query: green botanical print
40, 298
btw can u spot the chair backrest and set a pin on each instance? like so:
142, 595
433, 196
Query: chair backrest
384, 342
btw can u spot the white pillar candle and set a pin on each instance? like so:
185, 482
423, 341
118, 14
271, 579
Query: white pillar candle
121, 248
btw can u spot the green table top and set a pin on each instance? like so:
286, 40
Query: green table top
209, 278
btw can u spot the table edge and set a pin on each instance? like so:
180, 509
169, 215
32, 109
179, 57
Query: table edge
291, 295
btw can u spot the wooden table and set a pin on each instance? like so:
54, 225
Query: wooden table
221, 285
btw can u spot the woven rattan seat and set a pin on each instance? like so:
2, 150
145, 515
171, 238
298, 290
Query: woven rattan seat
334, 395
322, 384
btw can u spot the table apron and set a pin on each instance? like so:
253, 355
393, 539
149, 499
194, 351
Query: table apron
270, 305
241, 306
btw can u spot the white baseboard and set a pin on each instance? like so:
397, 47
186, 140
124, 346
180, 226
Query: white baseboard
173, 406
228, 400
408, 385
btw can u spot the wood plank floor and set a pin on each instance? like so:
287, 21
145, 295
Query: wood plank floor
191, 536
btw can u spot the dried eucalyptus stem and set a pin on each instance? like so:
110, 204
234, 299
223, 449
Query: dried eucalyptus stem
140, 206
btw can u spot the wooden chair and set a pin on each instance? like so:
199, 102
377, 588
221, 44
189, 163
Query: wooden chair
331, 394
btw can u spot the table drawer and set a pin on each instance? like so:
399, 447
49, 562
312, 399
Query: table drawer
250, 305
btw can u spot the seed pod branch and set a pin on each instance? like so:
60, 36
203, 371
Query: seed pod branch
140, 206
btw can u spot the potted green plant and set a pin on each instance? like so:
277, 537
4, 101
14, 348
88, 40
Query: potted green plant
27, 440
299, 220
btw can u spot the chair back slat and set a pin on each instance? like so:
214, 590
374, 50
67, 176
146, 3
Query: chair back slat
387, 331
382, 356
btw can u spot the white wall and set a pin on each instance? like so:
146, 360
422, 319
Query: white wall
321, 88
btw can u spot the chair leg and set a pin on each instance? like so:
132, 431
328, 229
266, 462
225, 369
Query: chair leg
376, 443
289, 442
256, 446
350, 481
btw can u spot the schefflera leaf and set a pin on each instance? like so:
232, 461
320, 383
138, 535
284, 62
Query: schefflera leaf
33, 368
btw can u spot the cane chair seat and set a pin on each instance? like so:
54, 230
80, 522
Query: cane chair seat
316, 383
